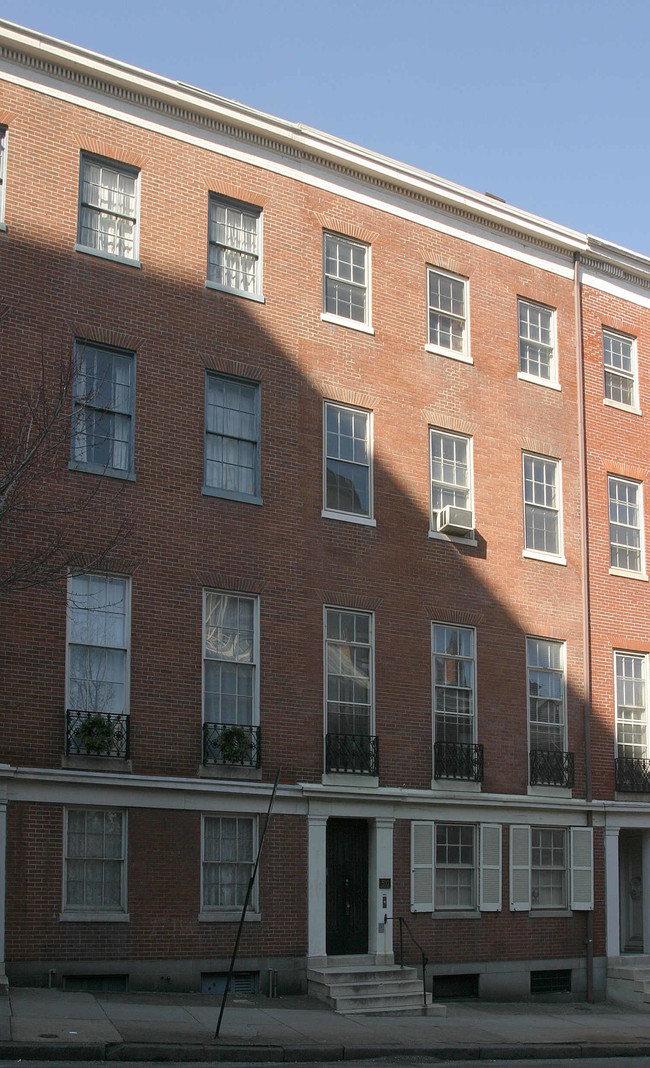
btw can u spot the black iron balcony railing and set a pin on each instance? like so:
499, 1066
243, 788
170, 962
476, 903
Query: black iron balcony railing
100, 734
550, 767
633, 773
458, 760
231, 743
354, 753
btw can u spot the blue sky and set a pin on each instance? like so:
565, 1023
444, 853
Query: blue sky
543, 102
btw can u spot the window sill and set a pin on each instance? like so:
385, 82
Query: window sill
456, 914
547, 558
97, 469
549, 913
231, 495
456, 538
460, 357
621, 407
94, 917
446, 786
620, 572
227, 916
228, 771
338, 320
234, 292
97, 763
347, 517
353, 779
525, 377
107, 256
549, 791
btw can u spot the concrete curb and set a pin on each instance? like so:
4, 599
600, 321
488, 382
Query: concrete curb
182, 1052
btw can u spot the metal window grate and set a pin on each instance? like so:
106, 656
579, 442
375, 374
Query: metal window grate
240, 984
551, 981
97, 984
455, 986
458, 760
352, 753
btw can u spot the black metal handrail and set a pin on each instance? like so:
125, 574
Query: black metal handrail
352, 753
551, 767
458, 760
633, 774
425, 960
97, 734
232, 743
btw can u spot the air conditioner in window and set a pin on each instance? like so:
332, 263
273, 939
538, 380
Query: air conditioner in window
458, 521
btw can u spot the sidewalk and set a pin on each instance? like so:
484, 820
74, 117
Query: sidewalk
51, 1025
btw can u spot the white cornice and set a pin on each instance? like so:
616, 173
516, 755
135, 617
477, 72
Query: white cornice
179, 101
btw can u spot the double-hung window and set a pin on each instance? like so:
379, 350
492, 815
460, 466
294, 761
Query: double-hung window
447, 311
619, 362
625, 524
455, 867
348, 462
345, 279
229, 848
3, 173
232, 437
235, 247
108, 208
537, 358
230, 658
349, 671
453, 683
94, 885
451, 481
98, 645
455, 880
548, 869
546, 700
103, 410
541, 505
631, 705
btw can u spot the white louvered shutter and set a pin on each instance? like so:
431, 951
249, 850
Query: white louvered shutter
519, 868
490, 867
582, 868
422, 866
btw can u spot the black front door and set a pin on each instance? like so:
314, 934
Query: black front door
347, 887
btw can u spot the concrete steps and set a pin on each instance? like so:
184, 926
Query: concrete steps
628, 980
371, 990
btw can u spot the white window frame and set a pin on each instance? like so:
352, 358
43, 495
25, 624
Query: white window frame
487, 868
370, 616
252, 212
578, 870
454, 657
124, 168
538, 554
537, 905
224, 913
4, 143
550, 671
364, 325
553, 381
473, 867
217, 491
93, 913
84, 403
642, 660
127, 635
631, 376
254, 599
433, 514
333, 513
463, 355
614, 569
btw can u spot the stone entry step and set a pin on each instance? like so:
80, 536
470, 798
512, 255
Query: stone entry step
628, 980
371, 990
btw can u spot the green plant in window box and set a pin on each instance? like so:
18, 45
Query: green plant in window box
96, 735
235, 744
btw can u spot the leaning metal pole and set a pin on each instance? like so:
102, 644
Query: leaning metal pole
249, 891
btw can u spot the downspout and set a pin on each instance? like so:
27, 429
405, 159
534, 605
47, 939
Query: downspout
586, 588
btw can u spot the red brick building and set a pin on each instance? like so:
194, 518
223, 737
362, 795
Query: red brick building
356, 419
